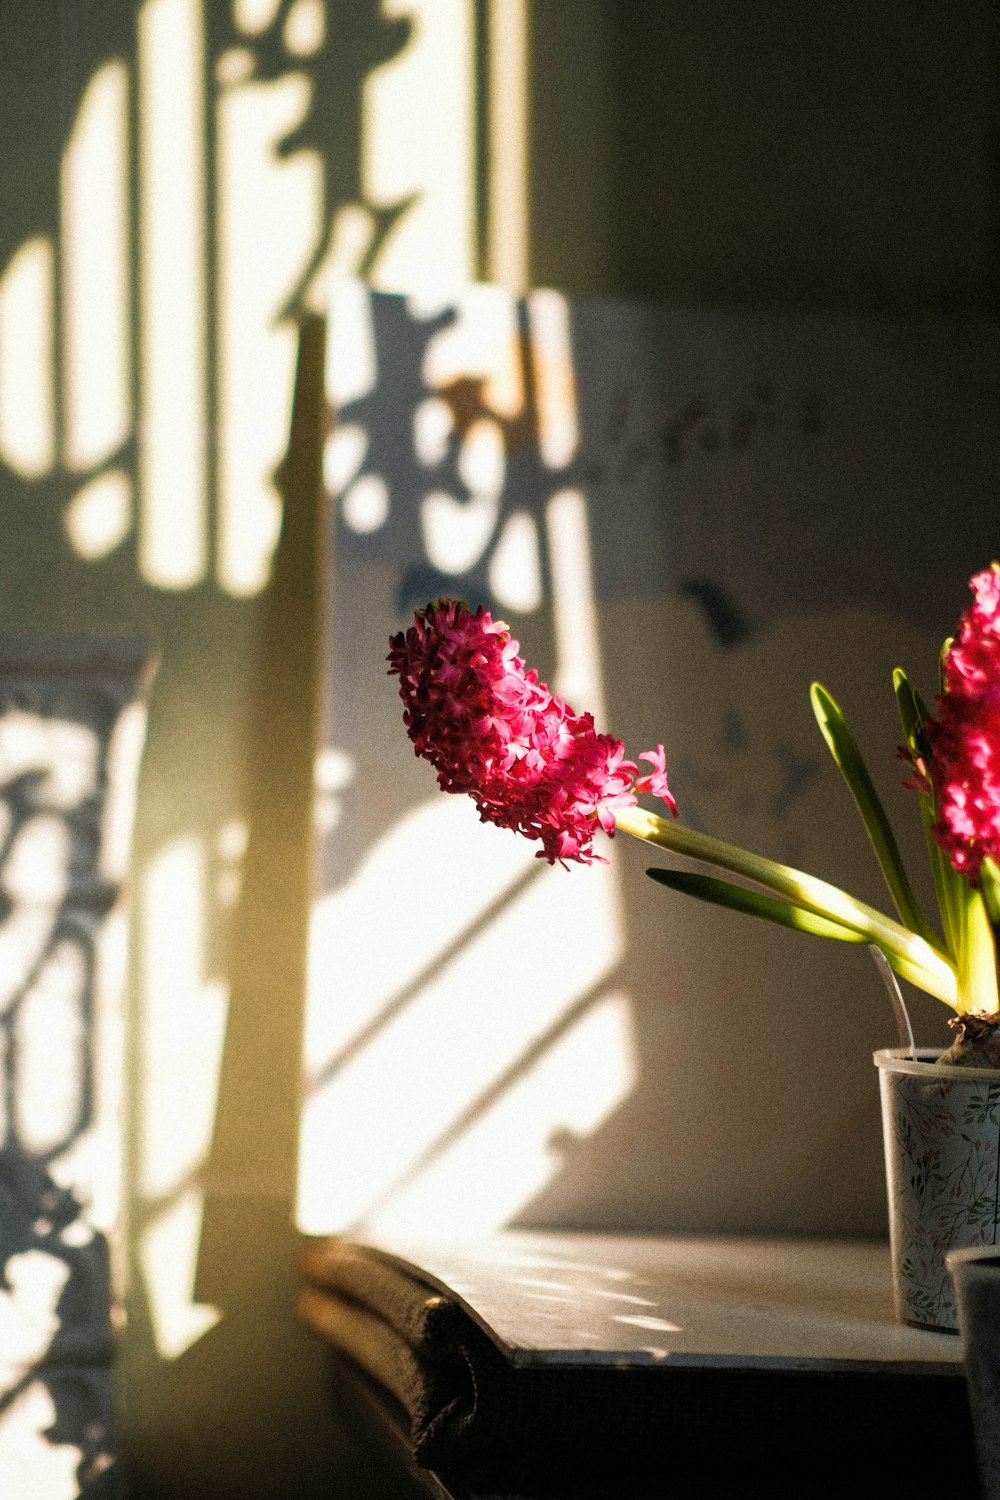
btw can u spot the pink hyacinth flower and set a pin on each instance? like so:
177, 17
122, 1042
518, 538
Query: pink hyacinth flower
491, 729
964, 740
655, 781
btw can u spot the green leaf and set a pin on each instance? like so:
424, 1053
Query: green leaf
948, 884
912, 713
976, 958
844, 749
754, 903
989, 884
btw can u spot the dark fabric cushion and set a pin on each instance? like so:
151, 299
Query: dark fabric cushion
474, 1415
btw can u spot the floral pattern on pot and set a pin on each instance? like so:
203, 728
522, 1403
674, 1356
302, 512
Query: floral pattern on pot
942, 1142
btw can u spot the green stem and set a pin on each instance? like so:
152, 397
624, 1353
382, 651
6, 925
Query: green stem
976, 957
926, 965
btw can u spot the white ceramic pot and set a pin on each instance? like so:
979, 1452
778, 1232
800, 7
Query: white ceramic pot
941, 1126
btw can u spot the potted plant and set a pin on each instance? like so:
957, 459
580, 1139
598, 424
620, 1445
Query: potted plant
491, 729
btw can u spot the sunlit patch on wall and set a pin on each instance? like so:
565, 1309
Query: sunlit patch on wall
397, 942
95, 273
555, 379
184, 1018
49, 1040
305, 28
483, 1177
350, 351
65, 755
508, 143
99, 516
256, 348
34, 1282
173, 530
332, 775
366, 504
430, 1015
27, 349
481, 460
124, 754
434, 243
455, 531
575, 615
433, 424
37, 869
234, 66
254, 16
182, 1033
343, 456
515, 570
29, 1462
169, 1258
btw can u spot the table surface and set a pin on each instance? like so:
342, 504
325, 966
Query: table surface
552, 1298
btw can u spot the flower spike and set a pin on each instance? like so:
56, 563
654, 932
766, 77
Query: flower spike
491, 729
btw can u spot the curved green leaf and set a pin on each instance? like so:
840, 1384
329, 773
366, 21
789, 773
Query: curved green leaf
912, 713
754, 903
948, 884
844, 749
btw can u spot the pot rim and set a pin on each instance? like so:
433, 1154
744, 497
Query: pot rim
898, 1060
